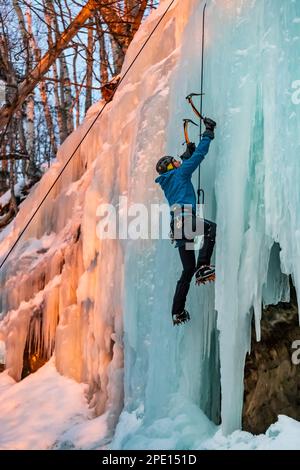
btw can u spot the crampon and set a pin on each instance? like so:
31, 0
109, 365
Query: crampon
180, 318
205, 274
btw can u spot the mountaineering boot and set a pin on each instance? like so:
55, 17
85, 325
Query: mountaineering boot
182, 317
205, 274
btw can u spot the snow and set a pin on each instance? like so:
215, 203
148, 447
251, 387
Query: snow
35, 412
49, 411
185, 427
5, 198
103, 306
282, 435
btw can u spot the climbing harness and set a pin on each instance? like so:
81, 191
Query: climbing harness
179, 219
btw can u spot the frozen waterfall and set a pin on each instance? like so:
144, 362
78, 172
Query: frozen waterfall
102, 307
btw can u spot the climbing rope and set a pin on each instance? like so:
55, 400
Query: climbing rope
200, 191
83, 138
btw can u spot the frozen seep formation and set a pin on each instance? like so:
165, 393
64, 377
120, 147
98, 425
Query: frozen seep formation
250, 180
251, 74
90, 301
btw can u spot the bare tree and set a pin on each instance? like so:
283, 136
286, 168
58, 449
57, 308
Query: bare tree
122, 24
56, 58
89, 66
31, 169
28, 85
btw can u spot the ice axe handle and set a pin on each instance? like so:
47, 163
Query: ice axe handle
185, 128
189, 98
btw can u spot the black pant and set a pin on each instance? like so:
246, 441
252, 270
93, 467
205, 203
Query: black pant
188, 260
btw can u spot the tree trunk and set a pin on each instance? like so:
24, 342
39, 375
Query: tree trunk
122, 29
67, 97
62, 98
30, 111
138, 16
23, 30
77, 90
42, 88
104, 64
48, 115
89, 67
22, 139
58, 107
27, 86
118, 55
49, 19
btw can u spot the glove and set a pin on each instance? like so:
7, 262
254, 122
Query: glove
190, 149
209, 128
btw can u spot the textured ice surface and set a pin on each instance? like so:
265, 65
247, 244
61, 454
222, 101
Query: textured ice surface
112, 298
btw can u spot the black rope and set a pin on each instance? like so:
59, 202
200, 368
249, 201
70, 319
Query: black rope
83, 138
200, 191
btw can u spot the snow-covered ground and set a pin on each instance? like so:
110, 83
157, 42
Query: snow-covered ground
5, 198
35, 412
49, 411
282, 435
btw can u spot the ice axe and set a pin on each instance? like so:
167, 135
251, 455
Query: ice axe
189, 98
186, 123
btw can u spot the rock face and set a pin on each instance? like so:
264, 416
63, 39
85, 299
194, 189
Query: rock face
272, 381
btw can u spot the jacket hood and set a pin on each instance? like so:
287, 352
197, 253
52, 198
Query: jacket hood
162, 179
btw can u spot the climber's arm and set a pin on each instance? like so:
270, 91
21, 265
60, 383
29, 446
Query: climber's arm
190, 165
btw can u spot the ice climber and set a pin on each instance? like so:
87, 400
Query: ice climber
176, 181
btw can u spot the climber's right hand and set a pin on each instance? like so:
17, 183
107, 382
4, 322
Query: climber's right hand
191, 147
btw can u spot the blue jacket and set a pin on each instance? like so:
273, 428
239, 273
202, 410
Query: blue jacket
177, 184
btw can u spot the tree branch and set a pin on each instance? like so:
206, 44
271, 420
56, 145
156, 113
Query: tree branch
16, 156
46, 61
